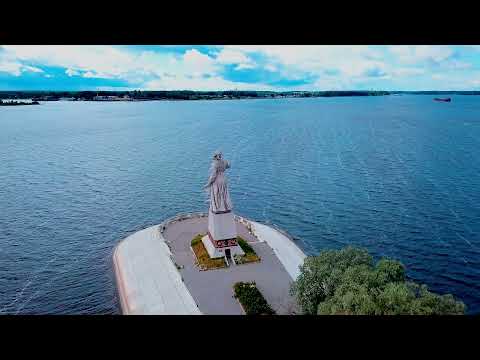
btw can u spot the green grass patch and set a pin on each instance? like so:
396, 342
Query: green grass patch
247, 249
251, 298
197, 239
204, 261
250, 254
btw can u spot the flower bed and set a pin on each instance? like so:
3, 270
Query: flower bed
204, 261
251, 299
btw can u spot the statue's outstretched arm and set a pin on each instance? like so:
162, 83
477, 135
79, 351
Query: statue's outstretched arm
211, 180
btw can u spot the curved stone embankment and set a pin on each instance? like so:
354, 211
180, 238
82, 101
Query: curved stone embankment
287, 252
149, 281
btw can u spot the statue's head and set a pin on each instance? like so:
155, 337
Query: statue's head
217, 155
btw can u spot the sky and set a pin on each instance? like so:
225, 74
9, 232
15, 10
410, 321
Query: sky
240, 67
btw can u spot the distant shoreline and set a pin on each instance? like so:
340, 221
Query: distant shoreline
110, 96
173, 95
18, 103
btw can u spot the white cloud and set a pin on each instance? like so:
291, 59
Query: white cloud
244, 66
89, 74
113, 62
458, 81
94, 74
325, 67
404, 72
32, 69
270, 67
409, 54
17, 68
298, 61
328, 84
103, 59
456, 64
475, 83
195, 68
197, 63
115, 88
196, 83
231, 56
13, 68
71, 72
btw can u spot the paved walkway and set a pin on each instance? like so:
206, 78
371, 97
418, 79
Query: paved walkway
212, 290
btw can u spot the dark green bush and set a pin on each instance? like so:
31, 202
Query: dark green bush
252, 299
247, 249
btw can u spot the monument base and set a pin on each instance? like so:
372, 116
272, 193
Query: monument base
222, 225
221, 248
221, 239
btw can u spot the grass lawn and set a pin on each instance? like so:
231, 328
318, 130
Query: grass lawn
250, 254
203, 259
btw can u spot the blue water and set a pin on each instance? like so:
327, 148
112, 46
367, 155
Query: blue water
399, 175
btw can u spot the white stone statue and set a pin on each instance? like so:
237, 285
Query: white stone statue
217, 185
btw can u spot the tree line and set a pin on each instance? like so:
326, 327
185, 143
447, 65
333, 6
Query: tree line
178, 94
205, 95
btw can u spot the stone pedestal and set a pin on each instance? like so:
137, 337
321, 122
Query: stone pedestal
221, 238
222, 225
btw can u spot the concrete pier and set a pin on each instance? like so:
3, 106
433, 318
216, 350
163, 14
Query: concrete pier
155, 270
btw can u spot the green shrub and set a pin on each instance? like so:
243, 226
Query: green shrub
247, 249
252, 299
250, 254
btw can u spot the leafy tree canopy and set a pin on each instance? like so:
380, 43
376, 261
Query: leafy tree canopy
348, 282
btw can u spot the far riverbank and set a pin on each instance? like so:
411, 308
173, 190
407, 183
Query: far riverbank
18, 103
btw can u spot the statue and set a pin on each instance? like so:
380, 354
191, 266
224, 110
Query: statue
217, 185
221, 238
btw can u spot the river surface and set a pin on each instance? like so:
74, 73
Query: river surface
399, 175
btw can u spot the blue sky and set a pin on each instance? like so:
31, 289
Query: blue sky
246, 67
